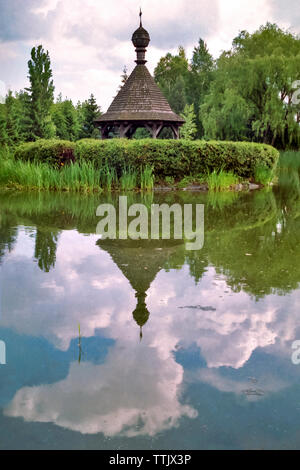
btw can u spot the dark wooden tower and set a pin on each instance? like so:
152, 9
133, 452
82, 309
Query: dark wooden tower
140, 102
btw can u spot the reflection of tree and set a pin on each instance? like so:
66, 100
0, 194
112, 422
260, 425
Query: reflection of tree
260, 253
45, 248
264, 224
8, 235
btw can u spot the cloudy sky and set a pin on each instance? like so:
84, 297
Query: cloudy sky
89, 41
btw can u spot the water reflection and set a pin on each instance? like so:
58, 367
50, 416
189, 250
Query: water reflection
140, 261
222, 319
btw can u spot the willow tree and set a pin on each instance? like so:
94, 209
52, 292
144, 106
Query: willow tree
251, 97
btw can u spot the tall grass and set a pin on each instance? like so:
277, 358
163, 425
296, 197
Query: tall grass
39, 176
128, 180
75, 177
108, 177
147, 178
221, 180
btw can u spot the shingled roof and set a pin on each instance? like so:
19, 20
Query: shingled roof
140, 102
140, 99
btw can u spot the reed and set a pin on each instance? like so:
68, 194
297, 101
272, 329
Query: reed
128, 180
221, 180
147, 178
40, 176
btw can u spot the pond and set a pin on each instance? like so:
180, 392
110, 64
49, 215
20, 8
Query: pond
123, 344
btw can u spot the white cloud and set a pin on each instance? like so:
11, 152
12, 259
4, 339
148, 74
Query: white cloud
90, 44
132, 394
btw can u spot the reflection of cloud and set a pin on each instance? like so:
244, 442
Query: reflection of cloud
229, 335
91, 290
85, 287
134, 393
137, 390
252, 390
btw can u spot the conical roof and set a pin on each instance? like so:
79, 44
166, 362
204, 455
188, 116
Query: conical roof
140, 99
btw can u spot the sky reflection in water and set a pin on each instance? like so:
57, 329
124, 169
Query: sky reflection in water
212, 367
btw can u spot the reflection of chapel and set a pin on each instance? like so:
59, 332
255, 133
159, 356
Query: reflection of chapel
140, 102
140, 261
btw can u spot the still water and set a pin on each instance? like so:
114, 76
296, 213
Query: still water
145, 345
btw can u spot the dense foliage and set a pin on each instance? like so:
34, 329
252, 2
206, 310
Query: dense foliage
253, 93
169, 158
249, 93
54, 152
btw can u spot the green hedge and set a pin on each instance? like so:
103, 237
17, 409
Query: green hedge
48, 151
176, 158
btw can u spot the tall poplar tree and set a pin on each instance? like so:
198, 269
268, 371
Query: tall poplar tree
41, 93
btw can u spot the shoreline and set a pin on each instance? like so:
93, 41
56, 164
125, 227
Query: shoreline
203, 188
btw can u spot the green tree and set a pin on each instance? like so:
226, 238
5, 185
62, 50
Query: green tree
12, 119
59, 120
199, 79
71, 117
23, 106
189, 129
41, 93
65, 117
171, 75
251, 95
3, 133
88, 111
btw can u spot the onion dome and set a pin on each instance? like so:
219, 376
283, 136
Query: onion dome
140, 40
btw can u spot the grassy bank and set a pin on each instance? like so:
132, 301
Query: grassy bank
75, 177
121, 164
84, 178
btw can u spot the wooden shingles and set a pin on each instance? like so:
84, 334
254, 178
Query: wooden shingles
140, 99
